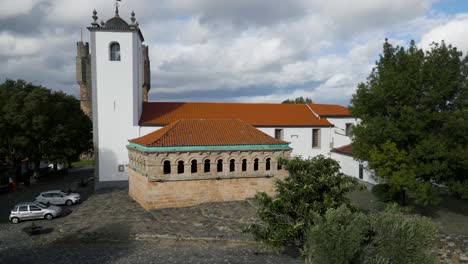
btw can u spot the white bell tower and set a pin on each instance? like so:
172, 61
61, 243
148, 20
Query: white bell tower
117, 94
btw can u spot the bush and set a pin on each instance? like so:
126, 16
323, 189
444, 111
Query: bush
313, 186
382, 192
338, 229
458, 189
342, 236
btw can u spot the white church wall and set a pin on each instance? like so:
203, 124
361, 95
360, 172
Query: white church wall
117, 100
339, 131
350, 167
300, 139
145, 130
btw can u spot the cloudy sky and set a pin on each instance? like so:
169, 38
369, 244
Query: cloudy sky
231, 50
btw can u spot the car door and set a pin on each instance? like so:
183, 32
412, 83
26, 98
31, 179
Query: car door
58, 198
35, 212
23, 212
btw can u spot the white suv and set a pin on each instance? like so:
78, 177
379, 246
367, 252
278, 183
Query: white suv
58, 197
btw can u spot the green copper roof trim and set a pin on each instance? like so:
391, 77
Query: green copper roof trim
198, 148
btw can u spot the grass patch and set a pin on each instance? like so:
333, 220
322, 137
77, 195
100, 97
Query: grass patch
83, 163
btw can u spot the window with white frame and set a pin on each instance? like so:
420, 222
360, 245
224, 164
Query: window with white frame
316, 138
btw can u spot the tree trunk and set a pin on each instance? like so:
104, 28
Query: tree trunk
37, 164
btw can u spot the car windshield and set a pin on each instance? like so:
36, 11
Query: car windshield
63, 193
42, 205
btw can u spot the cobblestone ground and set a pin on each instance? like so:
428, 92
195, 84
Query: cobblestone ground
109, 227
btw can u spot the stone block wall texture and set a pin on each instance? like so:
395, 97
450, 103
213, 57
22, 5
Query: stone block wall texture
152, 188
153, 195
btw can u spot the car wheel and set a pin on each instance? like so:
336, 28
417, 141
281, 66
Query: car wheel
49, 216
15, 220
69, 202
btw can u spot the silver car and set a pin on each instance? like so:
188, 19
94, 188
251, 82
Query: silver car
33, 210
58, 197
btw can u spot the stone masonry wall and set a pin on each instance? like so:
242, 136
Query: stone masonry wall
152, 188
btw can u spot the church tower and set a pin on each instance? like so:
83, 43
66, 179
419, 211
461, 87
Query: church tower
118, 85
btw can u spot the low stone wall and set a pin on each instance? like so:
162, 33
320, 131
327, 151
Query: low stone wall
152, 195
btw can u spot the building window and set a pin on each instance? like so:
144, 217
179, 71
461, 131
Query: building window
279, 166
114, 50
315, 138
349, 129
244, 165
193, 168
180, 167
232, 165
167, 167
206, 167
267, 164
219, 166
255, 164
279, 133
361, 171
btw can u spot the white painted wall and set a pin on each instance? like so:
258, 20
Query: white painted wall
117, 98
300, 139
339, 131
350, 167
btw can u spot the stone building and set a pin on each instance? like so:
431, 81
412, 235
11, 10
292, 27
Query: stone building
196, 161
113, 71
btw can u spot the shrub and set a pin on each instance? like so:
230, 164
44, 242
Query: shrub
458, 189
382, 192
338, 229
313, 186
342, 236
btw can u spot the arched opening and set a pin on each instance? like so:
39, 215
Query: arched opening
255, 164
232, 165
167, 167
219, 166
114, 51
267, 164
180, 167
244, 164
206, 166
193, 167
279, 166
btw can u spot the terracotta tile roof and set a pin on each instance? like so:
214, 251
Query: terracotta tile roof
330, 110
163, 113
346, 149
206, 132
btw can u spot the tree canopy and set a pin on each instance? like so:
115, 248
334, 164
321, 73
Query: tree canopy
313, 186
39, 124
298, 100
414, 119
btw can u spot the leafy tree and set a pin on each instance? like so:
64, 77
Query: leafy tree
313, 186
414, 117
38, 124
343, 236
298, 100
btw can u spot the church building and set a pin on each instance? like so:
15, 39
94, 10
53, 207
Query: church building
174, 154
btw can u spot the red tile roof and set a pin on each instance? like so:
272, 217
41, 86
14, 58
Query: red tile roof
206, 132
330, 110
163, 113
346, 149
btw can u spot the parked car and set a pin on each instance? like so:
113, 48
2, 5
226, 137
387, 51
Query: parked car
33, 210
58, 197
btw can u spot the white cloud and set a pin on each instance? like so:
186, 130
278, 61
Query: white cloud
452, 32
11, 8
252, 50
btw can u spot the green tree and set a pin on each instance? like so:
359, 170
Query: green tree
312, 187
38, 124
342, 236
414, 117
298, 100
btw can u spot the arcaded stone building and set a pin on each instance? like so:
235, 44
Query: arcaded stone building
196, 161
